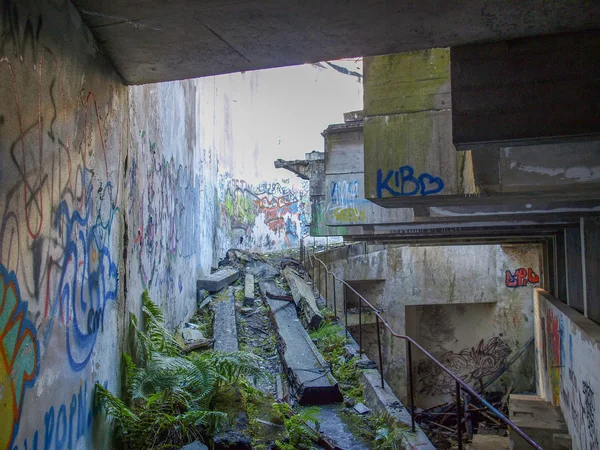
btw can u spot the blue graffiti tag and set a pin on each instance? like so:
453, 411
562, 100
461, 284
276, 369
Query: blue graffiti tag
89, 277
405, 184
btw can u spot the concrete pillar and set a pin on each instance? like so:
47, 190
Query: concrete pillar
574, 272
590, 236
560, 257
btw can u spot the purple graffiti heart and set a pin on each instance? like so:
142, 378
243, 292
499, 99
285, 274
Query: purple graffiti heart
430, 184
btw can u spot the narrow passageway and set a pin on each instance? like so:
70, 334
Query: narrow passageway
380, 251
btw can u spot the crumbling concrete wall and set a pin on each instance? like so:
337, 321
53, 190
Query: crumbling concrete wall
568, 367
468, 305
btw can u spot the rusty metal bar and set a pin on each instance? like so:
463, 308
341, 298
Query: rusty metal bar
334, 300
411, 387
380, 355
464, 386
458, 417
360, 352
345, 308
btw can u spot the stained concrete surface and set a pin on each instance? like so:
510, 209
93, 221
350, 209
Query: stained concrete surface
161, 41
334, 427
225, 323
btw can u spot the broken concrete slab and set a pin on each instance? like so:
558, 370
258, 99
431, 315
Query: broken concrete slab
249, 290
225, 325
218, 280
303, 297
307, 371
361, 408
191, 335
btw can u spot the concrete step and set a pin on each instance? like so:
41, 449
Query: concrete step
225, 325
540, 420
488, 442
218, 280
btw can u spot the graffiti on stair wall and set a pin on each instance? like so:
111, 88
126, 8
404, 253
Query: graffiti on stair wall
554, 335
521, 277
569, 366
470, 364
19, 356
264, 217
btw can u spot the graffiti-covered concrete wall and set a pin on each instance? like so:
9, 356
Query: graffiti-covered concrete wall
105, 191
169, 199
470, 306
63, 140
269, 216
568, 362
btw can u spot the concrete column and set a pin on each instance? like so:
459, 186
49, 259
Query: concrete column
590, 230
574, 270
560, 276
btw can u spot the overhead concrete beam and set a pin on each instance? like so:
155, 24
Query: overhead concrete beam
156, 41
526, 91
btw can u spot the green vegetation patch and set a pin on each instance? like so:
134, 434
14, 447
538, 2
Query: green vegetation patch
331, 342
171, 399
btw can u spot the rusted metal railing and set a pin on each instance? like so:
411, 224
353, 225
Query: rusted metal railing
460, 384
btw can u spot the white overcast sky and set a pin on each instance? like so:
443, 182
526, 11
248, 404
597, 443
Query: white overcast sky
280, 113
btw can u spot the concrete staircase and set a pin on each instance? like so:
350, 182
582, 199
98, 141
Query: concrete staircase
540, 420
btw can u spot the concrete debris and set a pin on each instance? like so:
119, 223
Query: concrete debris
218, 280
205, 302
361, 408
365, 364
225, 327
191, 335
303, 297
307, 371
349, 402
249, 290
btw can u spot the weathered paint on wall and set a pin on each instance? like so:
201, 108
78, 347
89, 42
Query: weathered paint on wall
408, 129
455, 302
264, 217
568, 363
63, 123
170, 177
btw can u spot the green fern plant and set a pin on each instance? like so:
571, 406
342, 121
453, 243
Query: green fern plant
168, 399
301, 435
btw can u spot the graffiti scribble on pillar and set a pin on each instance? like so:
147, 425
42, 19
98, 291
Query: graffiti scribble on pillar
470, 364
18, 356
522, 277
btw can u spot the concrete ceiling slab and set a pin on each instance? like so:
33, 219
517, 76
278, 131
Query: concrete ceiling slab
162, 40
